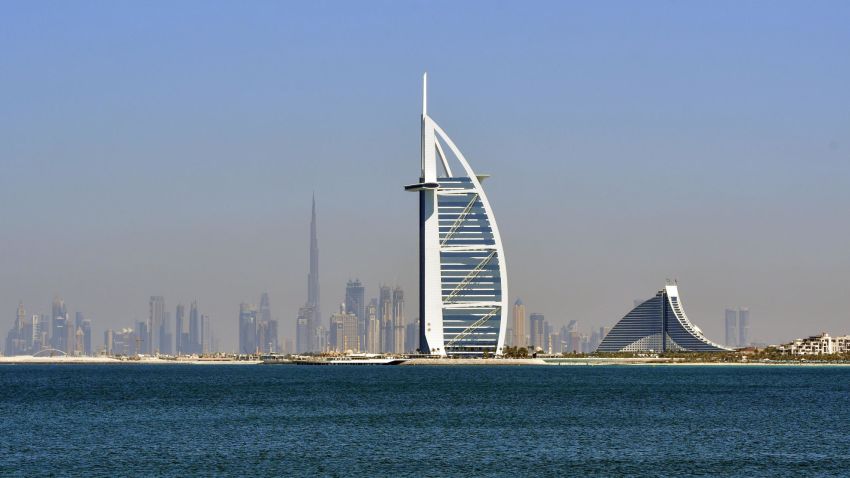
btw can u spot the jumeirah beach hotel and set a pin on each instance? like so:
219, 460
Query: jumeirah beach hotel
658, 325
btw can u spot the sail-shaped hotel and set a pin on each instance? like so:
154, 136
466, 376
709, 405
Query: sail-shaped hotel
463, 287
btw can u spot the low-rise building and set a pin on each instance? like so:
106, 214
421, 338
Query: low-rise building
821, 344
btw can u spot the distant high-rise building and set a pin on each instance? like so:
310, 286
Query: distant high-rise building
313, 296
342, 334
207, 346
398, 320
411, 336
247, 329
166, 342
731, 328
195, 334
385, 315
58, 325
574, 342
181, 336
140, 338
156, 317
307, 336
373, 328
744, 327
19, 339
520, 326
537, 332
265, 311
108, 341
39, 333
59, 334
303, 330
120, 342
355, 297
267, 334
86, 330
58, 308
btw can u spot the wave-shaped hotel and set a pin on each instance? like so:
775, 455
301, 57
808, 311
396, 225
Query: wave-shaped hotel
658, 325
463, 288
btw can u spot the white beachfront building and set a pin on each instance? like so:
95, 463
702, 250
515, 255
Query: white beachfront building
821, 344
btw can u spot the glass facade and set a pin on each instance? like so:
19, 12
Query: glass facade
642, 329
470, 277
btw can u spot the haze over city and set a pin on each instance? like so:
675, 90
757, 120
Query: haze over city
628, 143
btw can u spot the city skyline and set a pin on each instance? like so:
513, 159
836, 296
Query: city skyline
136, 168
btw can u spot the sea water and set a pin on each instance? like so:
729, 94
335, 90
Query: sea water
284, 420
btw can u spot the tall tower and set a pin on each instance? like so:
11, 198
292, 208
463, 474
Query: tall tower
180, 337
355, 303
743, 327
520, 326
194, 339
463, 286
731, 328
398, 320
385, 304
155, 320
247, 329
313, 276
537, 331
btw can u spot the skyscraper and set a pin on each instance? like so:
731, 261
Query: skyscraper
411, 336
308, 322
355, 296
181, 337
520, 326
206, 345
304, 331
398, 320
463, 285
731, 328
19, 339
385, 316
313, 297
343, 335
156, 317
537, 332
86, 331
59, 334
247, 328
268, 339
743, 327
373, 328
58, 327
195, 334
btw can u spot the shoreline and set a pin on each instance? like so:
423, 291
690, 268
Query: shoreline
427, 362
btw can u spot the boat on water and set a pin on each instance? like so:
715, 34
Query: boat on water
354, 359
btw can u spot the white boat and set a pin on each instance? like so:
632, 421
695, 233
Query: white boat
354, 359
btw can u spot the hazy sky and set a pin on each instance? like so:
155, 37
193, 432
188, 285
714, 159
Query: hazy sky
171, 148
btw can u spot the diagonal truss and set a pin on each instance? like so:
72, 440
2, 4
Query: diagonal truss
460, 219
478, 323
470, 277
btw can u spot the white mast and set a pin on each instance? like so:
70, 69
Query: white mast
424, 93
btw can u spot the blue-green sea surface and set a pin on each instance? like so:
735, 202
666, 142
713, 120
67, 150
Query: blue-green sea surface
156, 420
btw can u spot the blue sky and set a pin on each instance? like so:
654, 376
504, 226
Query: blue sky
172, 147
